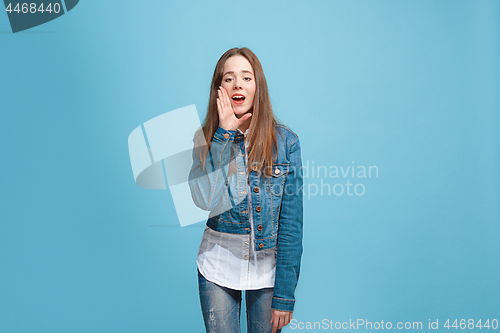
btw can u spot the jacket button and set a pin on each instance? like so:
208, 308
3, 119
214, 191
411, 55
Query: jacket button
261, 246
226, 135
259, 228
256, 189
254, 168
277, 171
257, 208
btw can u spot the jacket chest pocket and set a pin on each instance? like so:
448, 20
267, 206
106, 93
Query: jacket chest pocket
276, 182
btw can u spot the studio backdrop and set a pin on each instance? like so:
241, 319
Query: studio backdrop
397, 107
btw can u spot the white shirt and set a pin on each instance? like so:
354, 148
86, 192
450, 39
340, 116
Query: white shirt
230, 260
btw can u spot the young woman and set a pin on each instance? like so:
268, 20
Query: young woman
247, 172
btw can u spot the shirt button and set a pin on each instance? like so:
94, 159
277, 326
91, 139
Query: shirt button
226, 135
257, 208
246, 243
277, 171
260, 229
261, 246
246, 257
256, 189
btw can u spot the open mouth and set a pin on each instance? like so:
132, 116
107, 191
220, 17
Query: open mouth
238, 99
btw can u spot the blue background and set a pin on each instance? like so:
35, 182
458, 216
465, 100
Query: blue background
411, 87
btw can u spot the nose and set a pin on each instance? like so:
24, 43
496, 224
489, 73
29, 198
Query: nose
237, 84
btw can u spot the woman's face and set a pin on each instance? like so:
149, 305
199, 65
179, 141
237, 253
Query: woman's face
239, 81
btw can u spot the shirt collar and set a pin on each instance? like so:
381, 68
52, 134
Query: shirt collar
245, 134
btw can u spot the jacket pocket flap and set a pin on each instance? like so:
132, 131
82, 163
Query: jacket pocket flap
279, 169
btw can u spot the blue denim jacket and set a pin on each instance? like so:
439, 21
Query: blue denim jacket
277, 201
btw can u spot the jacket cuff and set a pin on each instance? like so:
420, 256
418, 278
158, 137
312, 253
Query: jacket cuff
223, 135
282, 304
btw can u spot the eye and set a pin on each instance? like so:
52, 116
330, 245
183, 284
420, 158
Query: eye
228, 79
247, 78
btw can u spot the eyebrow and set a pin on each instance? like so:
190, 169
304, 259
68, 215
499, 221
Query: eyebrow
231, 72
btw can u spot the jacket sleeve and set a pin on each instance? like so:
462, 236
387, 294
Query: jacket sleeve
289, 251
206, 184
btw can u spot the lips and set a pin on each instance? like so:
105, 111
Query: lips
238, 98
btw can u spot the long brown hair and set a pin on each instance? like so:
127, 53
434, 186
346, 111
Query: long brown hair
261, 133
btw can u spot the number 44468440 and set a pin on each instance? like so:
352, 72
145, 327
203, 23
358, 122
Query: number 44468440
32, 8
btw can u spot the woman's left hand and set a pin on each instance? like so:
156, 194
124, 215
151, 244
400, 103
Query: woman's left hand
280, 319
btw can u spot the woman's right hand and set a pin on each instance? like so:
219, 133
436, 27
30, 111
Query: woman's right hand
227, 117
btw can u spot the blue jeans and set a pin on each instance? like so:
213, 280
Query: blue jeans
221, 308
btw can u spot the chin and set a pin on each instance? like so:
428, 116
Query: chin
240, 112
239, 115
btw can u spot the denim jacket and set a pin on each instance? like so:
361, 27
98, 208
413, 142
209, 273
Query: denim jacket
277, 201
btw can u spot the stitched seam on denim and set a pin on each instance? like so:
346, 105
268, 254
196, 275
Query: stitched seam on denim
285, 176
280, 175
292, 144
284, 171
246, 306
216, 176
239, 310
231, 199
238, 180
272, 215
284, 299
260, 214
228, 200
267, 238
286, 128
232, 222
